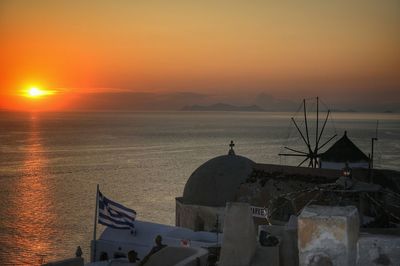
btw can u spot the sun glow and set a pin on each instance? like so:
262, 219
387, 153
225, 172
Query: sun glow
35, 92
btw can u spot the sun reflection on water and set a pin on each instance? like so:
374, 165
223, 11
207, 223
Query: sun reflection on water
34, 206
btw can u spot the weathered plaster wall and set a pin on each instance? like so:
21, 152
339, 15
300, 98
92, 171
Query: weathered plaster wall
378, 250
288, 251
195, 216
328, 235
239, 240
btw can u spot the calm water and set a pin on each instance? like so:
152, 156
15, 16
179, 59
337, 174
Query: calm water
50, 165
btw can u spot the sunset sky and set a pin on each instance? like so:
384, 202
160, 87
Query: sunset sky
105, 54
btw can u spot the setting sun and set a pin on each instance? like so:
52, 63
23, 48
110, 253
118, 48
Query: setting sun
36, 97
35, 92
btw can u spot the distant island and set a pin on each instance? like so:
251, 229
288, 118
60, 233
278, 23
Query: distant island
223, 107
344, 111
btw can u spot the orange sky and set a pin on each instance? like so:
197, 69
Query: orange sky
286, 48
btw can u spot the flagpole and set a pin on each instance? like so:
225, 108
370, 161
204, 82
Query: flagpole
95, 224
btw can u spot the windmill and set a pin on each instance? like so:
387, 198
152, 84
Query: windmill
312, 152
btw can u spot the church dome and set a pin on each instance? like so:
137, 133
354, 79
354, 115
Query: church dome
216, 181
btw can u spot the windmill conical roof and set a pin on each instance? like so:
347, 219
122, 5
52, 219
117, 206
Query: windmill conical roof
344, 150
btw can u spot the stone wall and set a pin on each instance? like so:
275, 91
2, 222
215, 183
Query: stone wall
341, 165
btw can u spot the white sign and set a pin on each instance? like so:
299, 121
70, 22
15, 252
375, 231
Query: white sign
259, 212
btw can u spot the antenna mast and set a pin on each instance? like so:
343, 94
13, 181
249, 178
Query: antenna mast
371, 163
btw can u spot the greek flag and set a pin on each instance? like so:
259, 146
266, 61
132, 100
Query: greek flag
115, 215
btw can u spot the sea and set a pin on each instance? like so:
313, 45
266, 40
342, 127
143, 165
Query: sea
50, 164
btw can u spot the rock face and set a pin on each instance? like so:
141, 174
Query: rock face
239, 241
328, 235
378, 250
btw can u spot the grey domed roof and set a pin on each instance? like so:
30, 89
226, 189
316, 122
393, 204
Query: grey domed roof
217, 180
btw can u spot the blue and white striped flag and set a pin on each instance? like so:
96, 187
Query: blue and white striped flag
115, 215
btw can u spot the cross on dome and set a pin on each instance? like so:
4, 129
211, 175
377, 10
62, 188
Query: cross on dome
231, 151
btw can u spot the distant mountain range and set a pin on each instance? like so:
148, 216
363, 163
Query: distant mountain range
194, 101
223, 107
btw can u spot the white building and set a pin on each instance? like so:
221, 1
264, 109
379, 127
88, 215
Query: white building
209, 188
